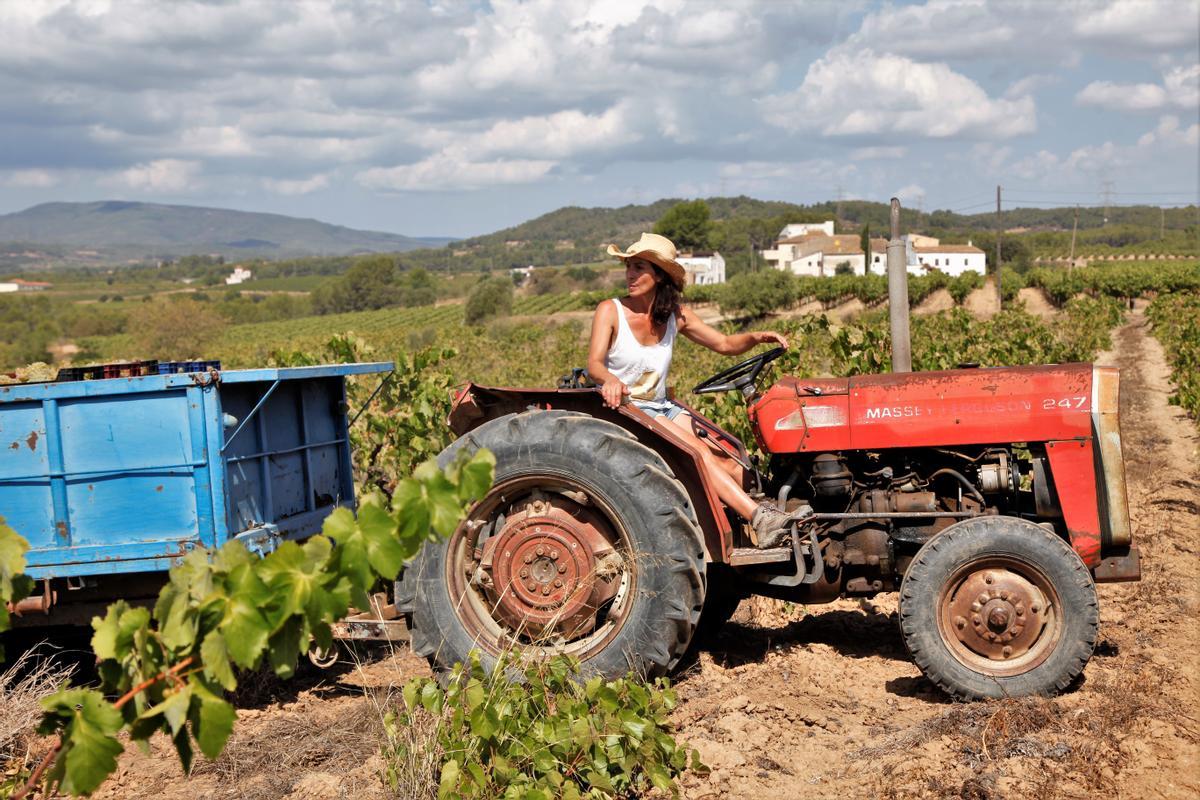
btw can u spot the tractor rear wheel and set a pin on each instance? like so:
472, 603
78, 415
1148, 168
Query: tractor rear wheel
999, 607
586, 544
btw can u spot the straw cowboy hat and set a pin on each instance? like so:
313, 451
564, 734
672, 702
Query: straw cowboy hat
657, 250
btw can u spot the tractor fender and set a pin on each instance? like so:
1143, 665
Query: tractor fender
474, 405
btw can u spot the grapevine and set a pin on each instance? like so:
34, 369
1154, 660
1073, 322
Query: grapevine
171, 667
1176, 320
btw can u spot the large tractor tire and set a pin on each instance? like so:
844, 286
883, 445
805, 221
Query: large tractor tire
586, 544
999, 607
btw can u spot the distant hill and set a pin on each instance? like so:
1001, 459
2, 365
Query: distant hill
593, 226
118, 231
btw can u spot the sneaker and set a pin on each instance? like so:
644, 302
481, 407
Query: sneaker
770, 526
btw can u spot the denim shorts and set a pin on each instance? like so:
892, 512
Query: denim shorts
660, 408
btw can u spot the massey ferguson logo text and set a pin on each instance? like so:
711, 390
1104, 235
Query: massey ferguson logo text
961, 408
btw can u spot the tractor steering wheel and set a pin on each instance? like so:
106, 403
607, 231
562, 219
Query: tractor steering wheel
739, 376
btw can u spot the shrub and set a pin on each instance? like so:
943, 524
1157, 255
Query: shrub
490, 298
753, 294
551, 735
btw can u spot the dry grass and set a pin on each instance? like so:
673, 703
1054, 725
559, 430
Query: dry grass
22, 686
414, 757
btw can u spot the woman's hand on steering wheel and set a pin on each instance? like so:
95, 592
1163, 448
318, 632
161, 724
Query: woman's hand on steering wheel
767, 337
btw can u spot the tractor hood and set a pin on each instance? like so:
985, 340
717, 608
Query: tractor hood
927, 409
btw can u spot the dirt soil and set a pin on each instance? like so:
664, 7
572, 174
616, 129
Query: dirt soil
823, 701
982, 301
1036, 303
936, 302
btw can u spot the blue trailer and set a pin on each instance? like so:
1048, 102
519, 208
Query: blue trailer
113, 481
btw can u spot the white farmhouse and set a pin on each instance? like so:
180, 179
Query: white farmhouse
806, 228
925, 253
703, 269
239, 275
817, 254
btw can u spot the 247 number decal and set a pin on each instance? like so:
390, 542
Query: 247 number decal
1051, 403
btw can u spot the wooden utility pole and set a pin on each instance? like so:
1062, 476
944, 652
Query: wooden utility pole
897, 272
1074, 227
999, 231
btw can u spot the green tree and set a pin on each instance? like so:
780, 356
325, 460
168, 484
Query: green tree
175, 329
490, 298
687, 224
864, 241
369, 284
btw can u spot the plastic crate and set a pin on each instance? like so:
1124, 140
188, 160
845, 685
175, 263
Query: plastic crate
173, 367
119, 369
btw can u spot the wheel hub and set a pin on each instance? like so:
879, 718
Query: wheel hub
549, 569
997, 613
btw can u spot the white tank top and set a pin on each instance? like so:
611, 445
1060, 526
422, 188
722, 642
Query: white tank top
643, 368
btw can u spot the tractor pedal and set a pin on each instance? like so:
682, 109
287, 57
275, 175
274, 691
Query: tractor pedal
742, 556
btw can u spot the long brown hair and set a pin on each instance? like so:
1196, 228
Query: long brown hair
666, 297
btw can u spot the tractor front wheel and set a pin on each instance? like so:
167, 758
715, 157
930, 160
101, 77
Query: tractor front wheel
586, 545
999, 607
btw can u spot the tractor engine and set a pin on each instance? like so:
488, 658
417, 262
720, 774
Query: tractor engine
873, 511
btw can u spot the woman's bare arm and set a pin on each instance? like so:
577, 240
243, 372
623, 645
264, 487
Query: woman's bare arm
604, 326
735, 344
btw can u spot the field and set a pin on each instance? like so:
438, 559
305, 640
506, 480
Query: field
790, 701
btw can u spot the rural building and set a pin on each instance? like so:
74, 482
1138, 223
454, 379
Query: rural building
239, 275
925, 253
817, 254
703, 268
18, 285
805, 228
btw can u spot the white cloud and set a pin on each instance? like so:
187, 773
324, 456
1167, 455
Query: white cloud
910, 193
298, 186
29, 179
864, 93
218, 140
1158, 149
446, 172
1147, 26
882, 152
1169, 133
1180, 89
939, 29
166, 175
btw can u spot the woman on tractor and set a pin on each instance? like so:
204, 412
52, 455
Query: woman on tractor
629, 357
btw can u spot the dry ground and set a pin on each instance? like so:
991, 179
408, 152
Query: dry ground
823, 702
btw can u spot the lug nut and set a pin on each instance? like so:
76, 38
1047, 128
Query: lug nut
988, 579
528, 559
1007, 651
545, 590
960, 622
531, 586
562, 568
524, 573
1003, 594
558, 584
541, 551
554, 555
976, 606
978, 620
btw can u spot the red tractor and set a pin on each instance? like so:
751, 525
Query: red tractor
993, 500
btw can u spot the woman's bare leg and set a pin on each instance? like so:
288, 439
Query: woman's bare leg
716, 469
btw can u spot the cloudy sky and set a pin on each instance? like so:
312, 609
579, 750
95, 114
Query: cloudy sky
449, 118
